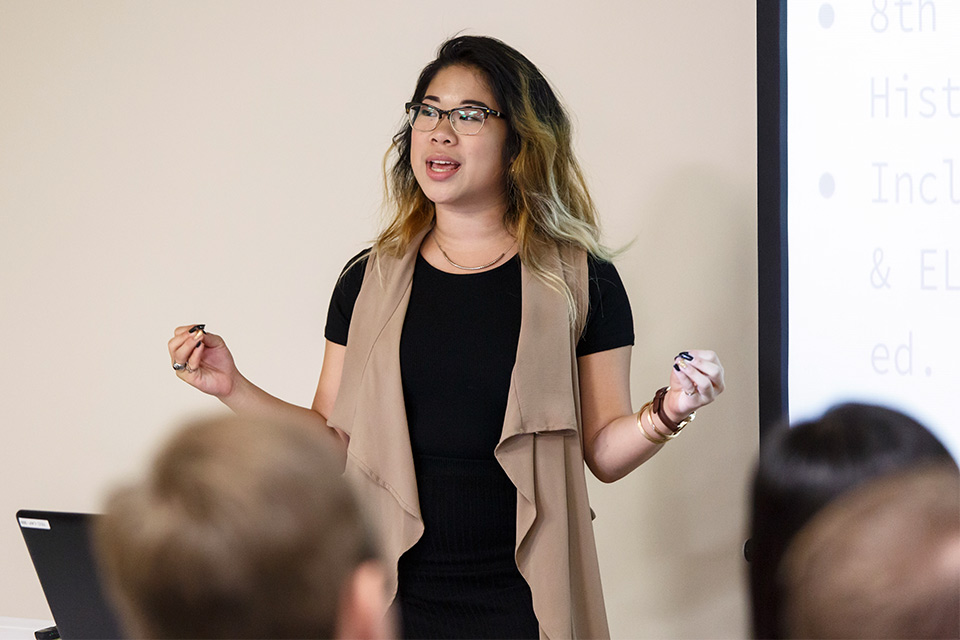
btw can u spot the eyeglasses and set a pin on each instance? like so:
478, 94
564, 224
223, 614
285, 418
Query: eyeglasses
464, 120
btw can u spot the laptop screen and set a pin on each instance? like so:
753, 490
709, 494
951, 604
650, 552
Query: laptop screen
60, 547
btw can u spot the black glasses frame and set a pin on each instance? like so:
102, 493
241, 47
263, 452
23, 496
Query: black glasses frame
446, 112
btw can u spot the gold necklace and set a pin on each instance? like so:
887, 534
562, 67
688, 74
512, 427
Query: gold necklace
460, 266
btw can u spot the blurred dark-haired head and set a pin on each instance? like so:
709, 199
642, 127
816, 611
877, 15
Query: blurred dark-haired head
804, 467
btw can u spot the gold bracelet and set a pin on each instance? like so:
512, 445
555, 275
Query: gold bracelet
690, 418
644, 431
640, 413
653, 425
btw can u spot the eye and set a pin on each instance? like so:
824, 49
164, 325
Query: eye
470, 115
428, 112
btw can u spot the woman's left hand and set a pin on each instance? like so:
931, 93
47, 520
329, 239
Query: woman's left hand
696, 381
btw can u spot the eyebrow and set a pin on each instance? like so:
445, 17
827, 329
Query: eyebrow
463, 103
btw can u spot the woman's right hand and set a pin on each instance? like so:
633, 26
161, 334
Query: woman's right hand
207, 362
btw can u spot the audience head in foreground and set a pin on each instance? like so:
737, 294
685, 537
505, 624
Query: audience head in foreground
880, 562
803, 468
242, 530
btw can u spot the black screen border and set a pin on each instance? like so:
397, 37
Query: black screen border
772, 264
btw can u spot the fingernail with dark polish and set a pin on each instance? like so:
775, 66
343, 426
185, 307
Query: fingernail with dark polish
686, 356
199, 342
676, 367
201, 327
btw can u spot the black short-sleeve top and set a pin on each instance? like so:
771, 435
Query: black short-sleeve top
459, 344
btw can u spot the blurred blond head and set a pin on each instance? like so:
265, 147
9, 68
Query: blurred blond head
881, 562
242, 529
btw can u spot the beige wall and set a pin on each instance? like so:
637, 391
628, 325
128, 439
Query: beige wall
172, 162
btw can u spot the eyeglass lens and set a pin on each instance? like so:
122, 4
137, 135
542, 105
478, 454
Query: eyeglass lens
465, 121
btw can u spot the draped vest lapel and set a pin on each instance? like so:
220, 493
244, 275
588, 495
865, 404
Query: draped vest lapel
540, 446
371, 410
541, 450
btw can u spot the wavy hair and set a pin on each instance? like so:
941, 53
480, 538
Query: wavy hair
548, 203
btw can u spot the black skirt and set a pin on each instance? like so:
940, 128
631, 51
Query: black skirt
461, 579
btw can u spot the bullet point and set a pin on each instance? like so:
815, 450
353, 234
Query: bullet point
826, 16
826, 185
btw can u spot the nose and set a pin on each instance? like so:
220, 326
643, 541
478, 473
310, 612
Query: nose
444, 133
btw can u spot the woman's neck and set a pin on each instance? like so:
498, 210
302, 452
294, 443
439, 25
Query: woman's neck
471, 229
468, 240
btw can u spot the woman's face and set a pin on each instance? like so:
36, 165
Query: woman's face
459, 172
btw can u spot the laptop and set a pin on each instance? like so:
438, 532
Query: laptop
60, 547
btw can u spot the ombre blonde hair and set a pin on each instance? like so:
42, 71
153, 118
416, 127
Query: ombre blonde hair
549, 204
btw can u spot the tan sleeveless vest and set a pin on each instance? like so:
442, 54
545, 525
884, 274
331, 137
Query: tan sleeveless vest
540, 446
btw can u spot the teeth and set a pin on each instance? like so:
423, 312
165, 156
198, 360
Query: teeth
443, 165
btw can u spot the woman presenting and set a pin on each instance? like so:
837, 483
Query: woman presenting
477, 355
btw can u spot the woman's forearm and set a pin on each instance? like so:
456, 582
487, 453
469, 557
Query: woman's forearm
250, 401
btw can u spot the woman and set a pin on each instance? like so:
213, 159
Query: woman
476, 356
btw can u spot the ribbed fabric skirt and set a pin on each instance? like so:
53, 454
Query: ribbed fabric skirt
461, 580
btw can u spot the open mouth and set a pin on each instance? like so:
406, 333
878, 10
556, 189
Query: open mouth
443, 166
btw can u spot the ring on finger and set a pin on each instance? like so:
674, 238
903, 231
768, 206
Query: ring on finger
179, 367
686, 393
187, 368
